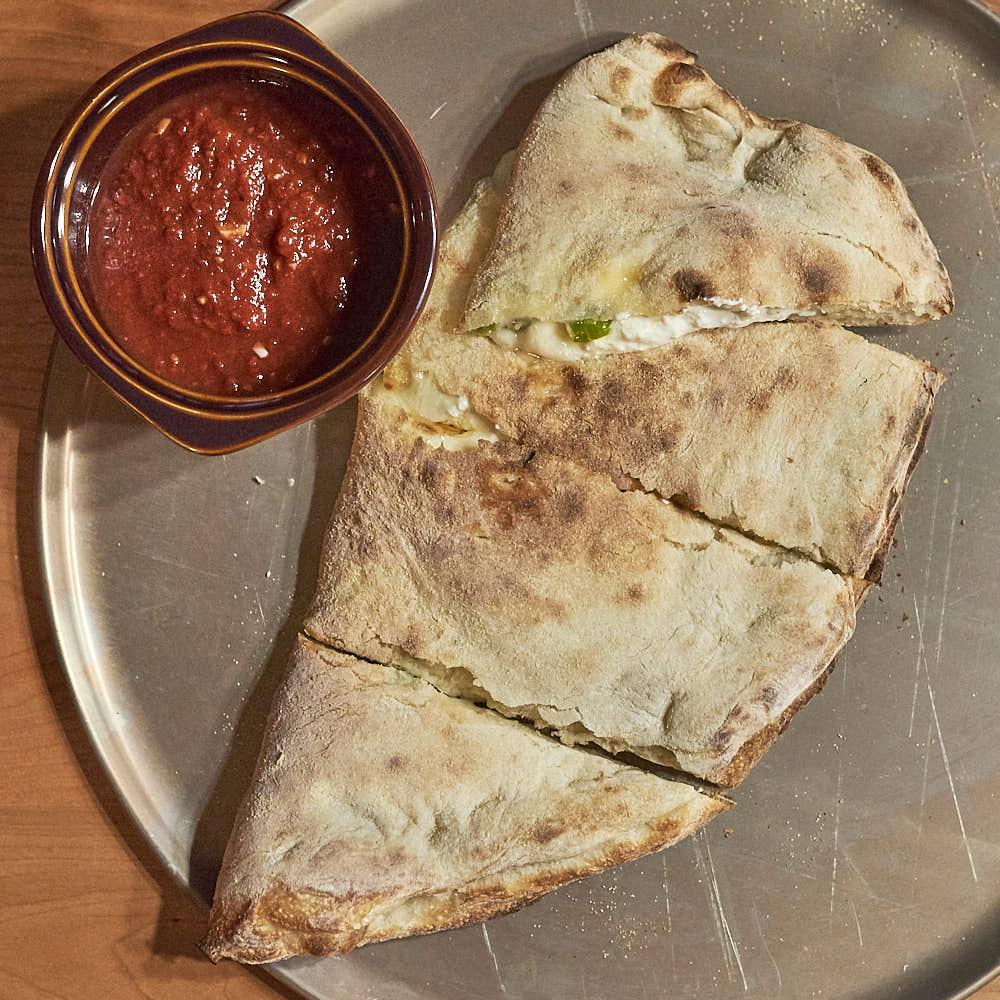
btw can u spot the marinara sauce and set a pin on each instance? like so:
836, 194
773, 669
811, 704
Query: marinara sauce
243, 238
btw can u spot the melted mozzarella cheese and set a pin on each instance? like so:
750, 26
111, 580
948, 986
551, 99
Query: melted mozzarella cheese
446, 420
550, 339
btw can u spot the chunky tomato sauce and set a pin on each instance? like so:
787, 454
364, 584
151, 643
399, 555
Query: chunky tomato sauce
242, 239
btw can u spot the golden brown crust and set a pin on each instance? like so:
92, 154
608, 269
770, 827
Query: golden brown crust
758, 744
688, 195
920, 425
283, 923
381, 808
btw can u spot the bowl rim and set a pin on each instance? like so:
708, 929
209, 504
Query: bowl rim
258, 41
107, 341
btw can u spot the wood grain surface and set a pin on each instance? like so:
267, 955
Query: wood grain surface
85, 908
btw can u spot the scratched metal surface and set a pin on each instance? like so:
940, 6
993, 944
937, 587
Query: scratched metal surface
864, 852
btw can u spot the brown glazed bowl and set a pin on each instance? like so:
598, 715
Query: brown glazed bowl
259, 46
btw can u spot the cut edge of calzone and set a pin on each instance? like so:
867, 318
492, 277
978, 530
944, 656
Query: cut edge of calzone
381, 808
498, 572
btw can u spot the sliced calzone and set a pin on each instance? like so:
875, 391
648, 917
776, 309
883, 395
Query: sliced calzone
646, 201
531, 584
382, 808
800, 433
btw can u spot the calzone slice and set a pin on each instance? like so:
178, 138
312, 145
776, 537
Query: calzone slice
529, 583
642, 190
382, 808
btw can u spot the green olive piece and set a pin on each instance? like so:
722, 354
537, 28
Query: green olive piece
584, 330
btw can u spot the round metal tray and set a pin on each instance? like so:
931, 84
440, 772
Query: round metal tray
863, 856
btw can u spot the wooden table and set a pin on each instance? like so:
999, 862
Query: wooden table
86, 911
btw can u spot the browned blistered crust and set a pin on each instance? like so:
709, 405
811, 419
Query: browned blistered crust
920, 424
758, 744
700, 420
283, 923
696, 197
381, 807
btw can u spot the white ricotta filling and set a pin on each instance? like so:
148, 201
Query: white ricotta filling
551, 339
448, 421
